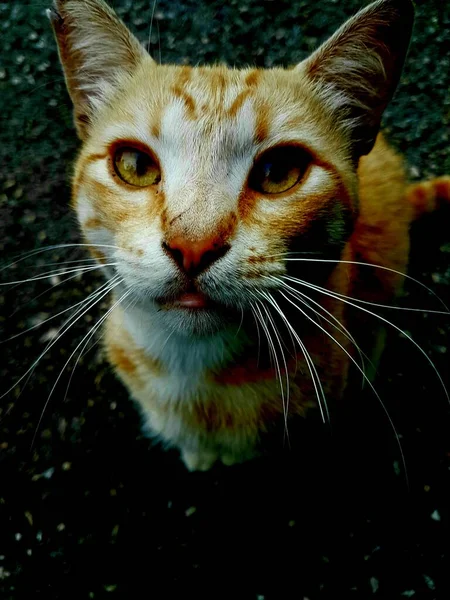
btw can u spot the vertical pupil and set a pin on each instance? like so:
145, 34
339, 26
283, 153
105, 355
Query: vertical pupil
275, 171
141, 163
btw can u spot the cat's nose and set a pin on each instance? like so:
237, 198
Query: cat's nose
193, 257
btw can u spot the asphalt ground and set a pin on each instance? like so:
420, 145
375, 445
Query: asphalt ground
88, 508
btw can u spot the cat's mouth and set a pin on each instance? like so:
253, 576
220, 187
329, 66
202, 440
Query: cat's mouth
190, 300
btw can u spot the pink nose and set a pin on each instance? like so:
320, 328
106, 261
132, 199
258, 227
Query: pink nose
194, 257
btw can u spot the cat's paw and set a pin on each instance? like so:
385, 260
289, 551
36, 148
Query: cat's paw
198, 461
230, 459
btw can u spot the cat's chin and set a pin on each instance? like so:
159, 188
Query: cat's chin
189, 321
194, 313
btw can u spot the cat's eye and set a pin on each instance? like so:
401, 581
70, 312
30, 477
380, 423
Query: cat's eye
279, 169
136, 167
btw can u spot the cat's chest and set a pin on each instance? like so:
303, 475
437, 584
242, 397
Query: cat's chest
179, 375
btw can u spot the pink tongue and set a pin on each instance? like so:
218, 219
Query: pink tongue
193, 300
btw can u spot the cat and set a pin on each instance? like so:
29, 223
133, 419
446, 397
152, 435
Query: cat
234, 212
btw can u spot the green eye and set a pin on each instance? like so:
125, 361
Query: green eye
136, 167
279, 169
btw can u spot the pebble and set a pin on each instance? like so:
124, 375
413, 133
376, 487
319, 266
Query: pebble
374, 584
48, 474
435, 515
430, 583
190, 511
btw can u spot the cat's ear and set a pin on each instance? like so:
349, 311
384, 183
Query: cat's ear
97, 52
357, 70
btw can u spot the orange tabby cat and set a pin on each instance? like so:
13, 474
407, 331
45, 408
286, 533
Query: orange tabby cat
234, 208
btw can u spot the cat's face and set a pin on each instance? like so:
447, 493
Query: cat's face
204, 179
197, 182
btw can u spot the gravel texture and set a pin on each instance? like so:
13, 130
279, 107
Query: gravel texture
88, 509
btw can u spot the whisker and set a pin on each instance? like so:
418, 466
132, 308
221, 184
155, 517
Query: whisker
82, 351
88, 335
65, 262
151, 26
363, 374
90, 297
99, 338
273, 352
332, 295
15, 311
255, 316
305, 299
159, 41
311, 366
407, 308
240, 324
285, 399
70, 322
55, 247
59, 272
383, 268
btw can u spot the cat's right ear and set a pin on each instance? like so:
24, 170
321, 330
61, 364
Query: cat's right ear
97, 53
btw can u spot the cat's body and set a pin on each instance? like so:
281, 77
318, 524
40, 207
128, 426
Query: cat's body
217, 394
180, 184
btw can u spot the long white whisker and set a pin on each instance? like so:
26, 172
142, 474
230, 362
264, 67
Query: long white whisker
364, 264
159, 41
363, 374
305, 299
91, 296
273, 352
88, 335
241, 321
311, 366
44, 292
65, 262
55, 247
151, 26
82, 351
332, 295
285, 398
255, 316
69, 322
59, 272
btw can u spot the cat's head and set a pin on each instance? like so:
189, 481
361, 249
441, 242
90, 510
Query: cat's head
198, 182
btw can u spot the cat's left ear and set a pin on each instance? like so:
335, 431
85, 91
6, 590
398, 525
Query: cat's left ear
97, 52
356, 71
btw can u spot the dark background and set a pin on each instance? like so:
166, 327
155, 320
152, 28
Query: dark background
89, 510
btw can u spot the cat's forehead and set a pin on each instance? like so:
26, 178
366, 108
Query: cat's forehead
230, 107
